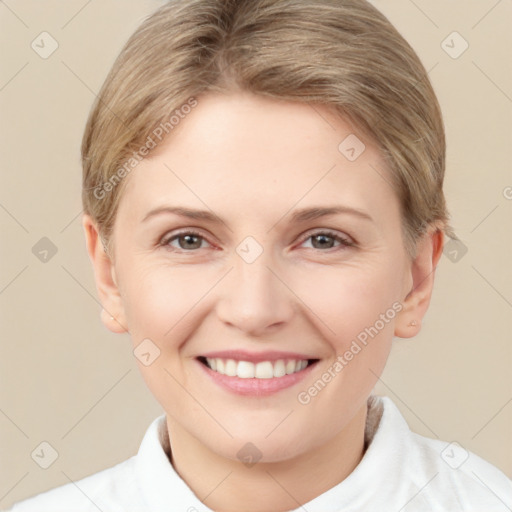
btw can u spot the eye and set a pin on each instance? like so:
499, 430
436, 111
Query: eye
189, 241
186, 241
327, 239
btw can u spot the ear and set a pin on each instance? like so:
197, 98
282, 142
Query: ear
112, 314
422, 271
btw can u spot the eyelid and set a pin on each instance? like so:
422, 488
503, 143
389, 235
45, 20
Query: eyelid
342, 237
171, 235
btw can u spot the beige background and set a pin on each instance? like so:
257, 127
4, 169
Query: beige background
67, 381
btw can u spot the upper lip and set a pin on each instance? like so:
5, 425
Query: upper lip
255, 357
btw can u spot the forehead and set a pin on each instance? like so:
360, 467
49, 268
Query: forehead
243, 151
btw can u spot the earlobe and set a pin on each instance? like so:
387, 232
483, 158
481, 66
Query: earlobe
112, 314
422, 272
111, 322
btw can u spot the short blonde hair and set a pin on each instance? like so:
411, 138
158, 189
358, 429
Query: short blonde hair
340, 53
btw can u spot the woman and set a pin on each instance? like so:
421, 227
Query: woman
264, 212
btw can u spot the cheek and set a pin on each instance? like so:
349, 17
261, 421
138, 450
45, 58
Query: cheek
359, 305
152, 300
349, 299
158, 299
163, 304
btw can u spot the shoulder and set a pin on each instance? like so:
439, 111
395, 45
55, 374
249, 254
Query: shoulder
125, 486
110, 489
461, 476
447, 476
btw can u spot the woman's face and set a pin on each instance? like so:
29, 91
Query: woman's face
263, 276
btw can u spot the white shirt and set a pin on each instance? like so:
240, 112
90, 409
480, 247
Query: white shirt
400, 472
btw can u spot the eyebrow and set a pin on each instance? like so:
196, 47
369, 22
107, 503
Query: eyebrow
301, 215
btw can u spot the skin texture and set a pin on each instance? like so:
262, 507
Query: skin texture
253, 161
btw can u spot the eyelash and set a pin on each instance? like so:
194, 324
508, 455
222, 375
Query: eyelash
343, 242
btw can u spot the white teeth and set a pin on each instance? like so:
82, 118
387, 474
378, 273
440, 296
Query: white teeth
290, 367
230, 368
245, 370
279, 368
261, 370
264, 370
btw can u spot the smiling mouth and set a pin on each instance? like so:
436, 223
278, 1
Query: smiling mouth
261, 370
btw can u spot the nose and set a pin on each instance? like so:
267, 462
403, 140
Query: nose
255, 299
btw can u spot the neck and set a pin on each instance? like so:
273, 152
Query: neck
227, 485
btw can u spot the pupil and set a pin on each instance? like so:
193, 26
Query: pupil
323, 237
188, 241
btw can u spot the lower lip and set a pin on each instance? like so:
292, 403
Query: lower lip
256, 387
